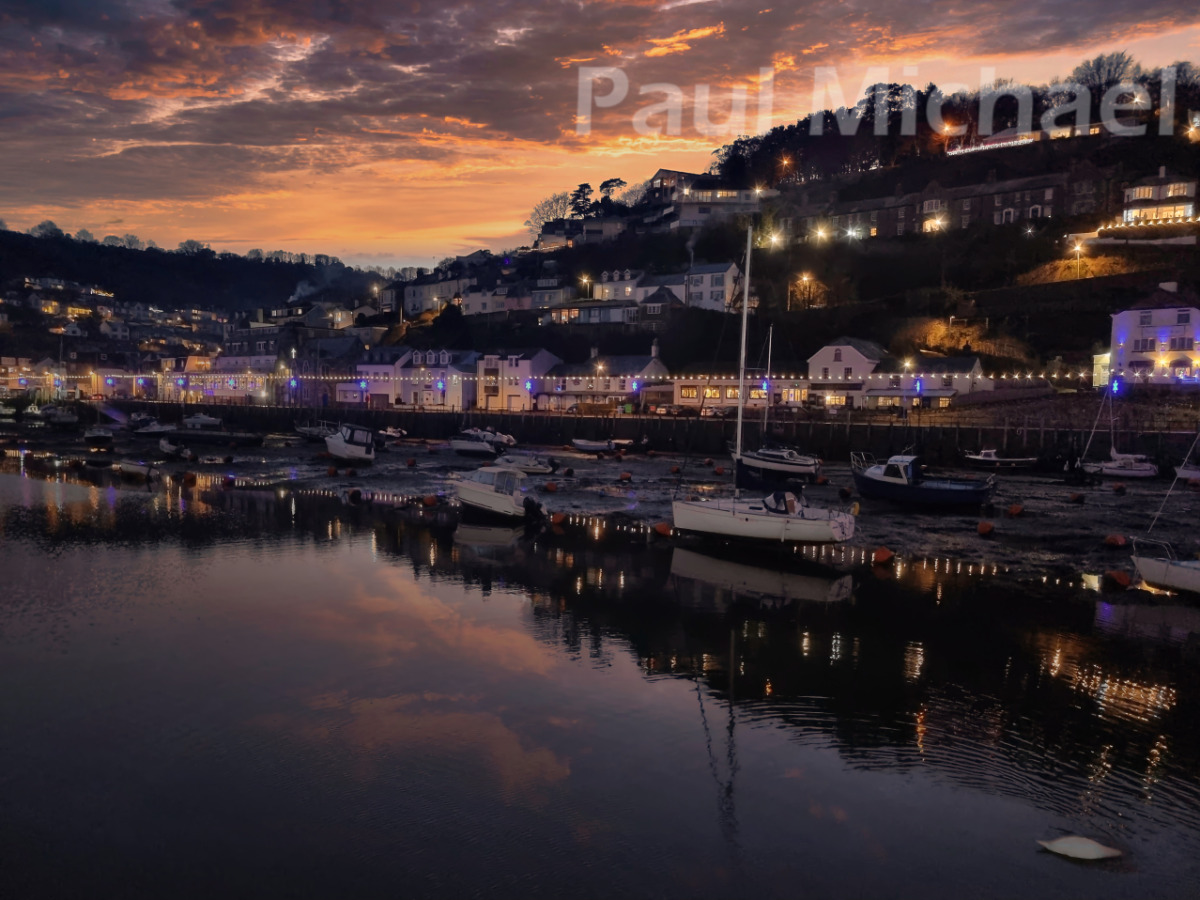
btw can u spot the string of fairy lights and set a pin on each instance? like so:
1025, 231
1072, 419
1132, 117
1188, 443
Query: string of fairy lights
635, 383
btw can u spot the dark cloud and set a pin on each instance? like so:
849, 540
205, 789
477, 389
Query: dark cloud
173, 100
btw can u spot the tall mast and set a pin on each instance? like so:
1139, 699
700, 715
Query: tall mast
742, 353
768, 392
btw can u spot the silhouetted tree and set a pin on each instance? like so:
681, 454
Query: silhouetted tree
556, 206
581, 201
610, 185
85, 236
46, 229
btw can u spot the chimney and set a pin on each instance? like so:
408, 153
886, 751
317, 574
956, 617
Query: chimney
654, 349
1170, 287
1162, 171
595, 352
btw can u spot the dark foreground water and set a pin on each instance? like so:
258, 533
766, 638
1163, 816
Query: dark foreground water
263, 694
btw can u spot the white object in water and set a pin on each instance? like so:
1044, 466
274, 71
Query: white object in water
1077, 847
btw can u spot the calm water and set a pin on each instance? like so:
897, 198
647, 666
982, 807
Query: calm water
236, 693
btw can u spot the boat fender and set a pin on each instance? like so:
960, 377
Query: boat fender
855, 508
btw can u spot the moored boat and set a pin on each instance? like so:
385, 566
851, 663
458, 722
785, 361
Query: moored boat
353, 443
135, 468
1121, 465
901, 479
529, 463
98, 437
607, 446
315, 431
201, 420
991, 459
777, 464
780, 516
499, 491
175, 449
1157, 565
154, 427
470, 443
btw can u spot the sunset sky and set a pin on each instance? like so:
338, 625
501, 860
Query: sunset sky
397, 133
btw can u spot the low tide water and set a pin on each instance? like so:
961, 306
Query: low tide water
264, 693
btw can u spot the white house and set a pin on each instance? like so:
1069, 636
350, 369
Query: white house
479, 301
838, 372
379, 377
439, 379
509, 379
429, 293
603, 380
675, 284
928, 381
1155, 340
616, 285
713, 286
115, 329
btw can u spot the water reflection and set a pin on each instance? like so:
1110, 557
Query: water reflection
1045, 694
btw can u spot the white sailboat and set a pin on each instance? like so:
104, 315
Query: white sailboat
774, 464
1118, 465
781, 516
1156, 562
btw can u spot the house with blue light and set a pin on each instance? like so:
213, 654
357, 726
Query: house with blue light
511, 379
1155, 341
600, 380
438, 379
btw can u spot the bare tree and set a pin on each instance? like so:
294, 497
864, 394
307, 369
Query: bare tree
133, 242
1106, 70
191, 247
556, 206
634, 195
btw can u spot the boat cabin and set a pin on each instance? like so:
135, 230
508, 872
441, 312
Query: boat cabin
501, 480
901, 470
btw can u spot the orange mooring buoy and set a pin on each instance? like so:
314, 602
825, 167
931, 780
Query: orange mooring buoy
986, 528
1015, 510
550, 487
331, 471
410, 462
882, 556
1118, 578
1115, 540
719, 470
663, 528
429, 500
558, 518
1075, 498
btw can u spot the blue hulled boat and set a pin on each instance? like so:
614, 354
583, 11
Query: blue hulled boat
902, 480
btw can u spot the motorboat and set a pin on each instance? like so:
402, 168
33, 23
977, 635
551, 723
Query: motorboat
500, 491
492, 436
530, 463
353, 443
1121, 465
611, 445
201, 420
7, 412
63, 418
98, 437
903, 480
139, 420
1157, 565
777, 464
174, 449
315, 431
780, 516
154, 427
991, 459
394, 433
470, 443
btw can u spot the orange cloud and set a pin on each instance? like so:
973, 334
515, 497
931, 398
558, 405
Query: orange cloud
678, 42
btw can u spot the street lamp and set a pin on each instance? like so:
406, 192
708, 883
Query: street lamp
1078, 252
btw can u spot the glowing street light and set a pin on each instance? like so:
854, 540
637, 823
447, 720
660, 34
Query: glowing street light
1078, 252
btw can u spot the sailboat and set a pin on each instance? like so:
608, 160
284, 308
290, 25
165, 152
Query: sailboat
780, 516
1156, 562
772, 465
1118, 465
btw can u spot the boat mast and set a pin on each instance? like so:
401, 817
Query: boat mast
742, 353
767, 405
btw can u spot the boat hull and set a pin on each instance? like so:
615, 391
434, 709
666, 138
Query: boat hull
738, 520
926, 493
1172, 574
994, 463
475, 449
1122, 469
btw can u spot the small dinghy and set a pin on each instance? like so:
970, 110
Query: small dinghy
1076, 847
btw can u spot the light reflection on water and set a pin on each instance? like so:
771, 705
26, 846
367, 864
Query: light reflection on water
330, 700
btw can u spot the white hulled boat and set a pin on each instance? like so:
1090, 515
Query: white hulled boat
154, 427
175, 449
1156, 563
500, 491
780, 516
201, 420
529, 463
353, 443
991, 459
1122, 465
98, 437
470, 443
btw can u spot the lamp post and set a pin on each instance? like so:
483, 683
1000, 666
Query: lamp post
1078, 252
